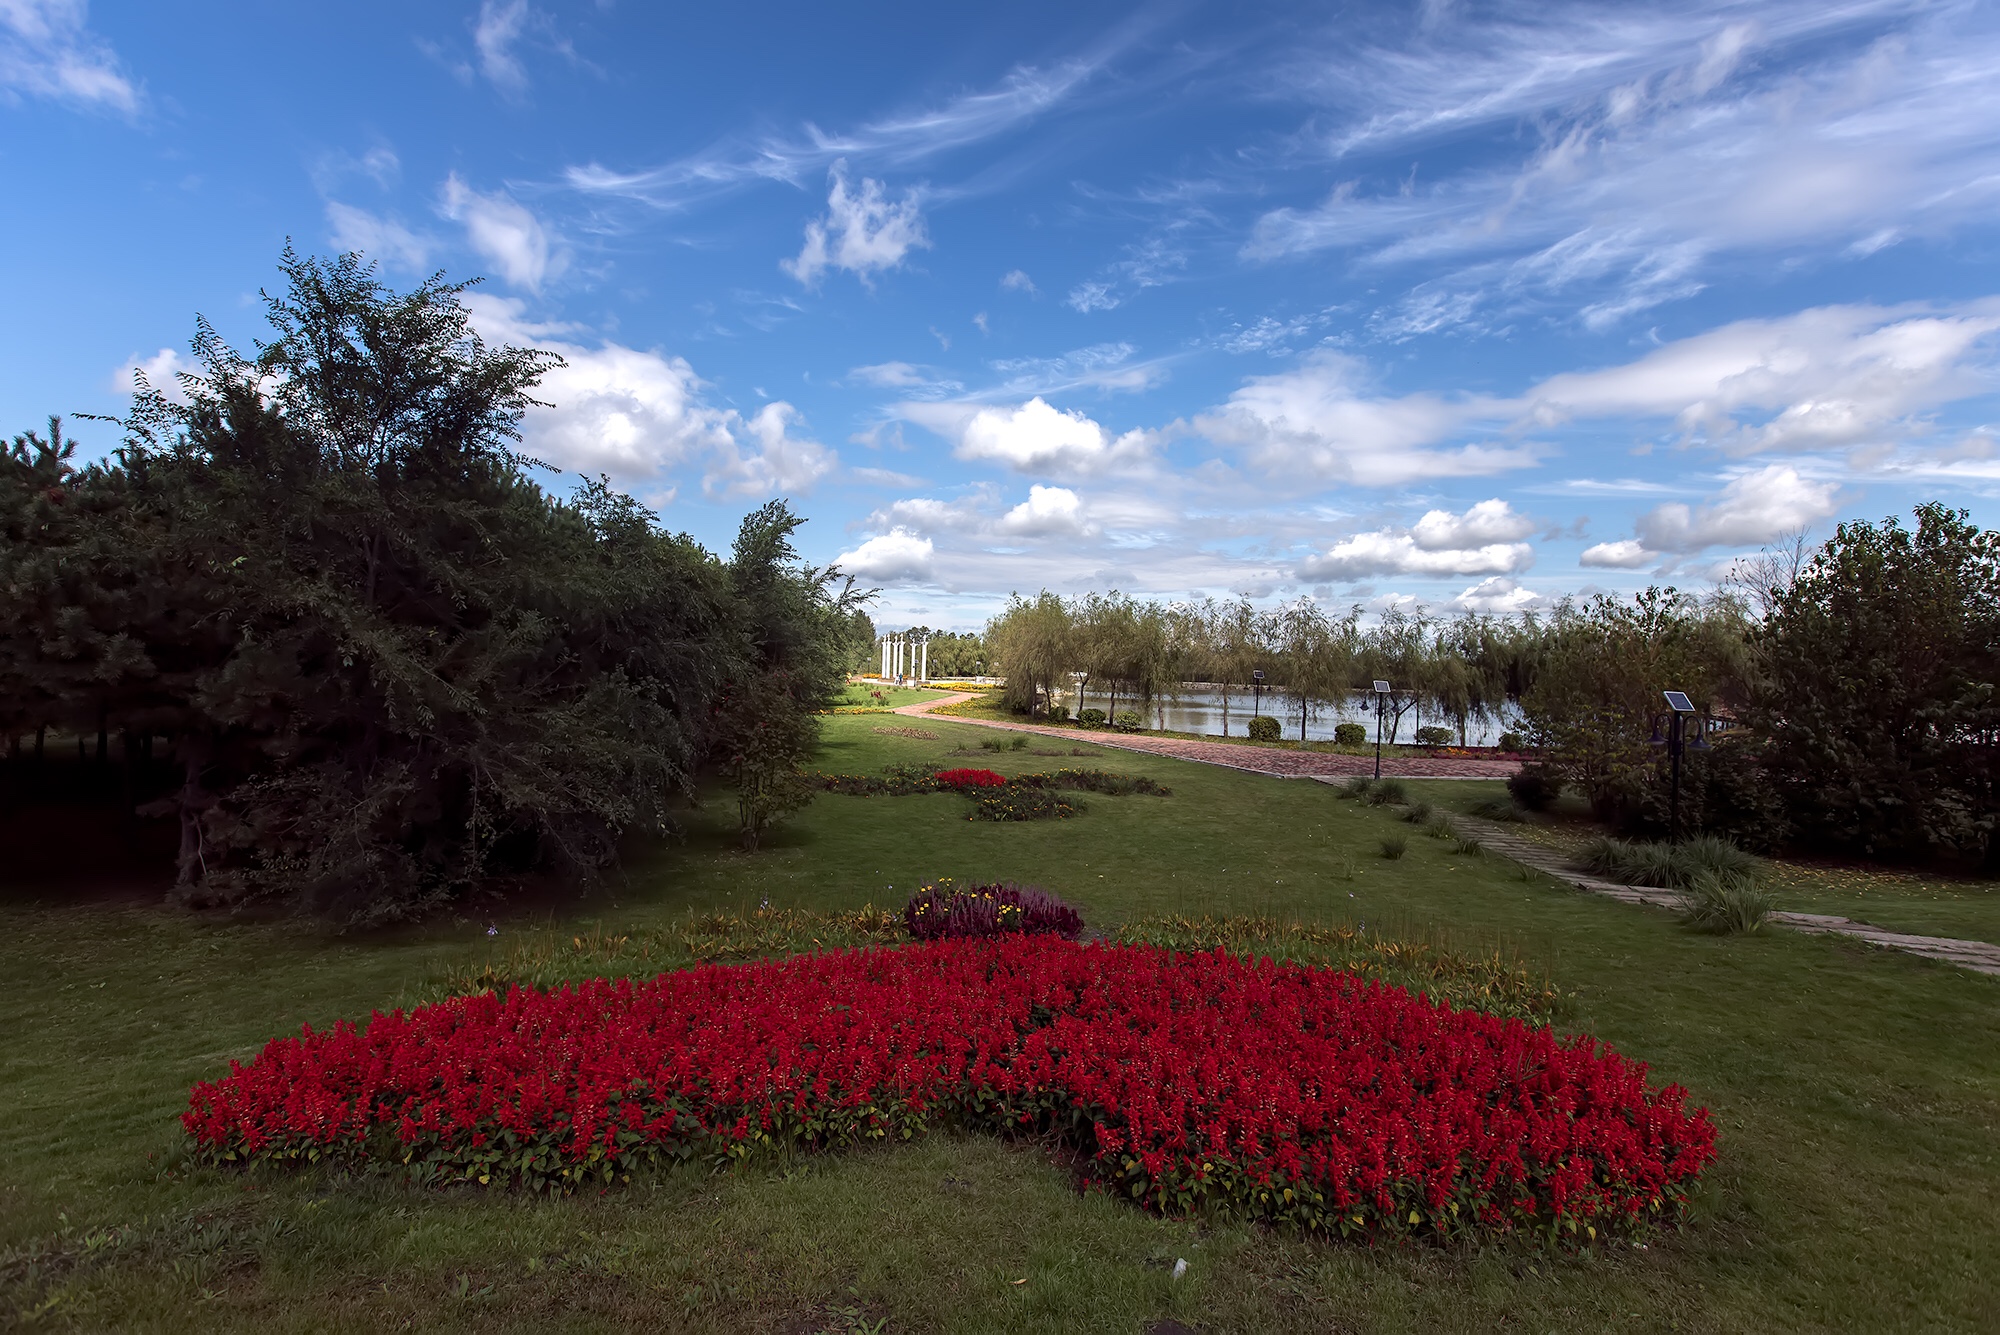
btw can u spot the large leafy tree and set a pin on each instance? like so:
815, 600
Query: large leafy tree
389, 665
1882, 663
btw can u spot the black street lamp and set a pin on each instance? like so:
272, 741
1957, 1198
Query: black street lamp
1681, 709
1257, 690
1381, 708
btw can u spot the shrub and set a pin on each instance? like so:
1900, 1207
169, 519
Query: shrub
1386, 792
1536, 787
992, 744
1510, 741
1129, 721
1721, 905
1058, 713
946, 910
1020, 802
1090, 718
1264, 728
1434, 736
1019, 743
1668, 866
1186, 1083
1394, 846
1350, 734
1097, 781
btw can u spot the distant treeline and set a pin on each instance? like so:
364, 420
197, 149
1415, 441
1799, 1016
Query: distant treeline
1848, 694
365, 662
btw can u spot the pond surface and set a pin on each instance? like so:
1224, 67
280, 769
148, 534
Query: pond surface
1199, 710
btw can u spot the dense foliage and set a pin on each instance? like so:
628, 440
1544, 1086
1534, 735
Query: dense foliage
1300, 1096
1882, 689
384, 664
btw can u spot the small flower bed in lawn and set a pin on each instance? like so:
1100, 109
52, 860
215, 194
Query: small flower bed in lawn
947, 910
969, 780
1299, 1096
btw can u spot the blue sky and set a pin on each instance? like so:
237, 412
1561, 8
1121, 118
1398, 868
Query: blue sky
1475, 305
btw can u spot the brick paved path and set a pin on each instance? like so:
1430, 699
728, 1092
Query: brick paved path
1256, 759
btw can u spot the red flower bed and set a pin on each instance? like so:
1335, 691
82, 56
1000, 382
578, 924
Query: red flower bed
1297, 1095
964, 779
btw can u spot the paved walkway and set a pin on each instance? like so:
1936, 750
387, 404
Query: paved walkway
1975, 955
1255, 759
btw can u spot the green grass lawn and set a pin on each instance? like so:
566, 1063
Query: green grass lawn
1857, 1093
861, 695
1927, 903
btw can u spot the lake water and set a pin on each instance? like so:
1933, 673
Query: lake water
1199, 710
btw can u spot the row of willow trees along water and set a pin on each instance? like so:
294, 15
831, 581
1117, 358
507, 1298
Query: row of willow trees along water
319, 616
1854, 688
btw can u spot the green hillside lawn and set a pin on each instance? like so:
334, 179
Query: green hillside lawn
861, 695
1858, 1095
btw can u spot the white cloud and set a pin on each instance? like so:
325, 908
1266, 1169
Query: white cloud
1087, 297
1754, 509
1017, 280
1487, 522
1663, 138
1624, 554
901, 140
897, 556
890, 375
1389, 553
498, 27
47, 50
638, 415
782, 461
1832, 375
506, 234
1033, 438
1318, 421
163, 371
384, 239
1102, 366
1048, 511
863, 232
1498, 596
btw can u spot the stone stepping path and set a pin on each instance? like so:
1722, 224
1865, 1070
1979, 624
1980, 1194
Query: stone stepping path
1979, 956
1252, 759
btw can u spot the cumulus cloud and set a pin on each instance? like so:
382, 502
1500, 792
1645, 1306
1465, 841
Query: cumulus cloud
1048, 511
506, 234
863, 232
781, 462
1750, 511
1498, 596
1017, 280
1320, 420
1032, 438
1490, 521
47, 50
1625, 554
637, 415
378, 238
1385, 552
161, 371
896, 557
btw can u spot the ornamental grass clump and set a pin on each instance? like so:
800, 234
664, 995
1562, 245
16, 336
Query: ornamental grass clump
1724, 907
946, 910
1187, 1084
1386, 792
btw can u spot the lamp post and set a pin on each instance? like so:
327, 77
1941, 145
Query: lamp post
1681, 709
1257, 691
1381, 708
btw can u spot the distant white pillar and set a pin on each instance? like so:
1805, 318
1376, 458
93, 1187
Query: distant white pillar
924, 672
884, 647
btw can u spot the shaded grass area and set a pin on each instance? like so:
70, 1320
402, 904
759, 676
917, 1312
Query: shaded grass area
1857, 1093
